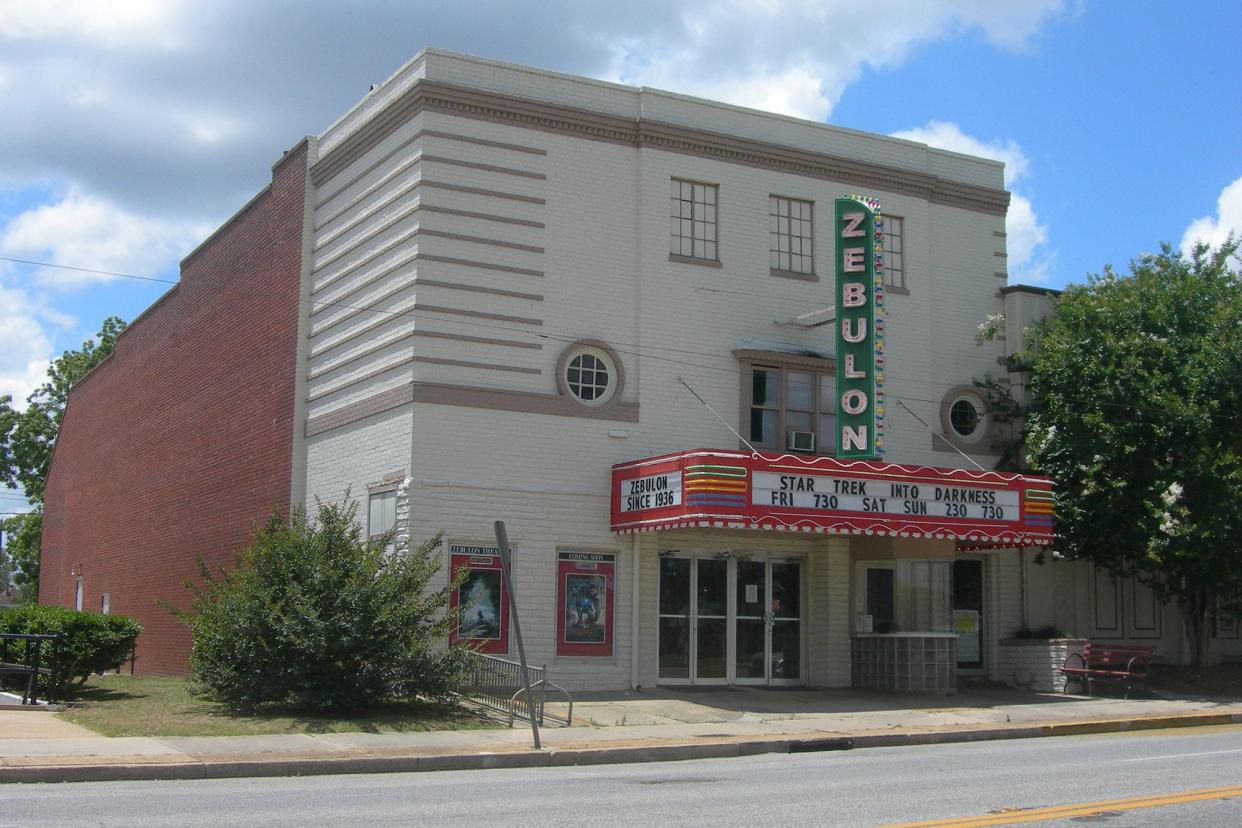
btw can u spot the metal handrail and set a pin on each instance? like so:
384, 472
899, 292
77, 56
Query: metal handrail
31, 665
543, 714
496, 683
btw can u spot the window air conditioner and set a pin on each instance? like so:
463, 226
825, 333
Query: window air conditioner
800, 440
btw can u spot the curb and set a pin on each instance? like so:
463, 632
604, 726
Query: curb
233, 769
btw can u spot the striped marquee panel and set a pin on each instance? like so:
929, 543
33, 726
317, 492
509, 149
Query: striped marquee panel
789, 492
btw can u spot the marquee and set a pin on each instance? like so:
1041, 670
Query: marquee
806, 493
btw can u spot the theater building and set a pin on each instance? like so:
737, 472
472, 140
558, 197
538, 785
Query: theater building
609, 316
713, 367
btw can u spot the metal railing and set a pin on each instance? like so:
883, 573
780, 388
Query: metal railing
22, 655
496, 684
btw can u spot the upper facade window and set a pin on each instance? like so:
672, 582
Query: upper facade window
693, 220
587, 377
964, 422
382, 518
590, 373
790, 246
894, 252
792, 409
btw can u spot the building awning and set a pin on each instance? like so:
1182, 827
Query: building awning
708, 488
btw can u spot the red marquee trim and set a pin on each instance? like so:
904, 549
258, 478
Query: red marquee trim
708, 488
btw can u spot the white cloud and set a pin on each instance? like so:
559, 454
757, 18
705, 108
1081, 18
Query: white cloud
1026, 237
87, 231
1028, 260
797, 57
129, 19
106, 107
25, 347
1214, 230
949, 136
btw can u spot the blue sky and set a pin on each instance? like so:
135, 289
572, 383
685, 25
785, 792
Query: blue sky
133, 128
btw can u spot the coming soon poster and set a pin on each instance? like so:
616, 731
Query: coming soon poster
481, 599
585, 600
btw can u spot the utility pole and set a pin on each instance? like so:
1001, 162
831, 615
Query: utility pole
506, 571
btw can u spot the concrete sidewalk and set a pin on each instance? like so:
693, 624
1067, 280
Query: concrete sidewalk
629, 727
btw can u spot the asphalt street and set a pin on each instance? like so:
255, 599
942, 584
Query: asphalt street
1143, 779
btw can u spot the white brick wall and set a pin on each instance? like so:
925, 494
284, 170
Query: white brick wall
353, 456
1005, 608
1036, 665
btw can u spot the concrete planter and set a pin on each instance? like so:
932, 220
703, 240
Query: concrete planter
1035, 663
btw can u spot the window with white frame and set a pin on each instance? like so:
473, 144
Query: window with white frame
894, 252
790, 242
589, 372
382, 518
964, 421
792, 408
692, 220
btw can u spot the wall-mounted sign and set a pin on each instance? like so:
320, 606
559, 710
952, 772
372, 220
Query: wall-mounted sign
860, 327
651, 492
800, 493
481, 599
584, 598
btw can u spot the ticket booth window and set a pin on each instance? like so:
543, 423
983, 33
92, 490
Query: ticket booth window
903, 596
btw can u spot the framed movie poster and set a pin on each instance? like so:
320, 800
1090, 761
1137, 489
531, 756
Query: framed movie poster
481, 599
584, 600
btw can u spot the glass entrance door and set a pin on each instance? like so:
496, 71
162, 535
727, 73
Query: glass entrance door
751, 628
768, 622
785, 635
711, 621
968, 612
674, 619
694, 620
725, 620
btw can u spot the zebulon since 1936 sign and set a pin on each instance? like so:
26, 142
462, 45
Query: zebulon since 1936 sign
860, 328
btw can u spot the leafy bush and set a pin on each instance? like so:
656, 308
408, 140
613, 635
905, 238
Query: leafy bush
316, 618
89, 641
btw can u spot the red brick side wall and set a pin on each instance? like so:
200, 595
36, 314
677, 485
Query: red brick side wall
180, 443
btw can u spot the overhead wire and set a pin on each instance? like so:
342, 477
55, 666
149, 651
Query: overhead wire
631, 349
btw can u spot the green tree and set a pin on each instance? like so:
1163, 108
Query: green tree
21, 546
1136, 415
316, 618
28, 436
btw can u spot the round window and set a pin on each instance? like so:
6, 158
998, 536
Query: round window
964, 418
589, 373
587, 377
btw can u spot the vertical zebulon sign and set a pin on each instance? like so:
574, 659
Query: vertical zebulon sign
860, 328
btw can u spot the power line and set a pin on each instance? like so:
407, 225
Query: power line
730, 369
89, 270
619, 347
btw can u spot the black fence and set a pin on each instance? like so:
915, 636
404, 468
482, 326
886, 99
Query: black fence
28, 658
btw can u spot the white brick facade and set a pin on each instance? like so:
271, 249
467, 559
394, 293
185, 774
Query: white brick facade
472, 220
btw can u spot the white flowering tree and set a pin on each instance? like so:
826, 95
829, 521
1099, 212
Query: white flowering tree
1137, 417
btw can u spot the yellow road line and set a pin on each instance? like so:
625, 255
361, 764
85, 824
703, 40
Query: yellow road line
1080, 809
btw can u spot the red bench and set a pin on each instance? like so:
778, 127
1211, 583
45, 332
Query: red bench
1124, 664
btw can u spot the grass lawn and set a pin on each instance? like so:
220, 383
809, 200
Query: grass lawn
117, 705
